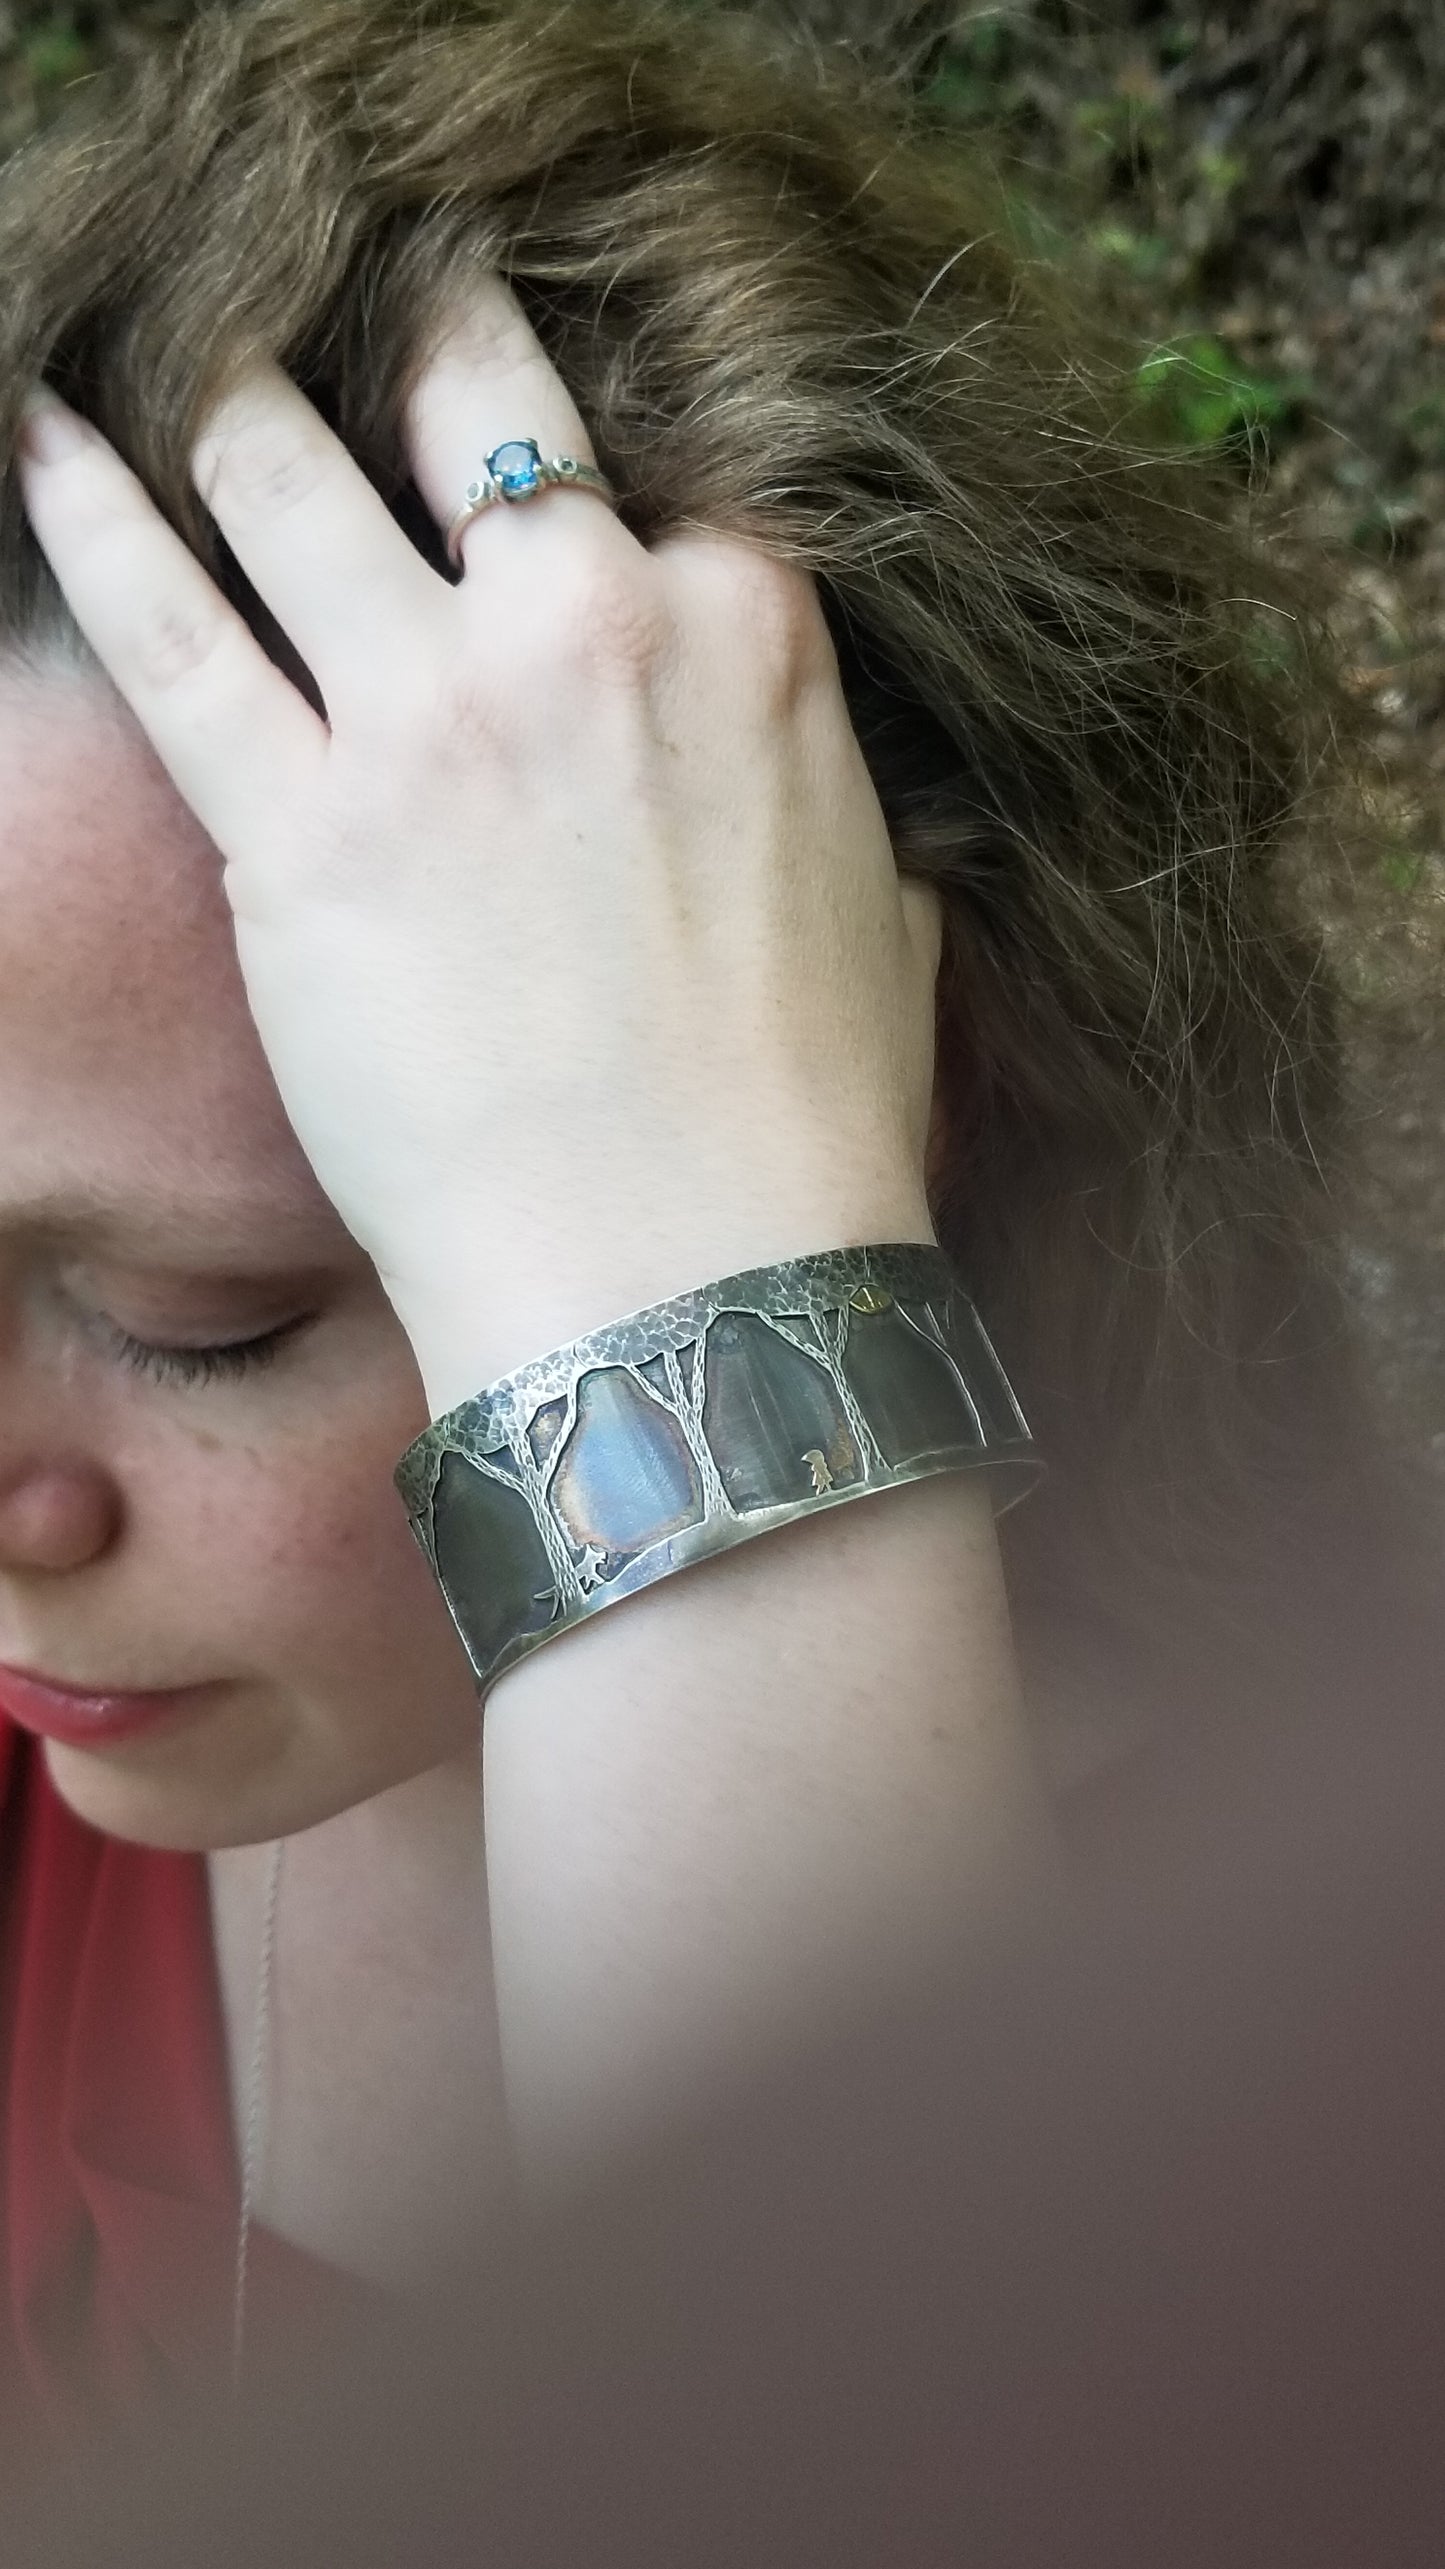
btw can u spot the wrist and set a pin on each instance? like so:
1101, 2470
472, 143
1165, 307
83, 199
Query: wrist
482, 1310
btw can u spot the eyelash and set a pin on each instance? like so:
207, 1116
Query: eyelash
192, 1365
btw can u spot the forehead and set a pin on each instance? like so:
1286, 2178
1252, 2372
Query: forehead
129, 1065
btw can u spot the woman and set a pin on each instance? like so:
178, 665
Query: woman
869, 830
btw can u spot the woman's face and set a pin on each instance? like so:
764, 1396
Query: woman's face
154, 1532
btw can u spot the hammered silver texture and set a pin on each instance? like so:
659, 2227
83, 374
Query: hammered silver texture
698, 1423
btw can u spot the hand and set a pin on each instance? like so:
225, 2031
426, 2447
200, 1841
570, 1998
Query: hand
574, 936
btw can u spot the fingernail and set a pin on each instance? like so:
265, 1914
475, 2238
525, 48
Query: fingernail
48, 431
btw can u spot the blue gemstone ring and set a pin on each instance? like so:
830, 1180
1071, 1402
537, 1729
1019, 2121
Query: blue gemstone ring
516, 471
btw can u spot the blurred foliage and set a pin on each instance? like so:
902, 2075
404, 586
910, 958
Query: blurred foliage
1194, 394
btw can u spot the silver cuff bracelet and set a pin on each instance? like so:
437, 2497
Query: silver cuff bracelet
697, 1424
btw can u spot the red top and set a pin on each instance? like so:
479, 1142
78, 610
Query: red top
119, 2192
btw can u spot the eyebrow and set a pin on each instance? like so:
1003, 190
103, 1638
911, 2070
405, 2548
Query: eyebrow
202, 1237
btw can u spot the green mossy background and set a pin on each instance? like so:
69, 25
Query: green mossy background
1257, 187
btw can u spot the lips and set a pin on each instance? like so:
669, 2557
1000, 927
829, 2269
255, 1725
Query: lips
80, 1719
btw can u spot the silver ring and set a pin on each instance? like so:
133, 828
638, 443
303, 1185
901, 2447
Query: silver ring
517, 471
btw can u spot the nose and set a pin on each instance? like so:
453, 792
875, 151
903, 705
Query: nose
56, 1515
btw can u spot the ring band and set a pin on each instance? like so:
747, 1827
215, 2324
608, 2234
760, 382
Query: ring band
516, 471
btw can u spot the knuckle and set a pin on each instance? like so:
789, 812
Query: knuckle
174, 640
162, 633
776, 609
262, 469
607, 619
764, 615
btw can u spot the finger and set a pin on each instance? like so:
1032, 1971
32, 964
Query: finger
488, 379
312, 536
232, 733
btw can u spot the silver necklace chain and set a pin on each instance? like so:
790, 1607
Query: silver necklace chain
252, 2131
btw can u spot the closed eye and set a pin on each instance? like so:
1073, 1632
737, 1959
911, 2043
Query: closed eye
194, 1365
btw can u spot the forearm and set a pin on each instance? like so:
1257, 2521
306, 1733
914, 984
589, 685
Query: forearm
721, 1813
719, 1810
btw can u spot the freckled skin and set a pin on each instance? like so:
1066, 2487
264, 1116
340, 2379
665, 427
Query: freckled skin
248, 1532
153, 1534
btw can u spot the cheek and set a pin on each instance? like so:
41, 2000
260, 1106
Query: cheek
297, 1552
293, 1575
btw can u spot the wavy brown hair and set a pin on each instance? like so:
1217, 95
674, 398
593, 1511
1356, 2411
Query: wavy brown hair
1099, 711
